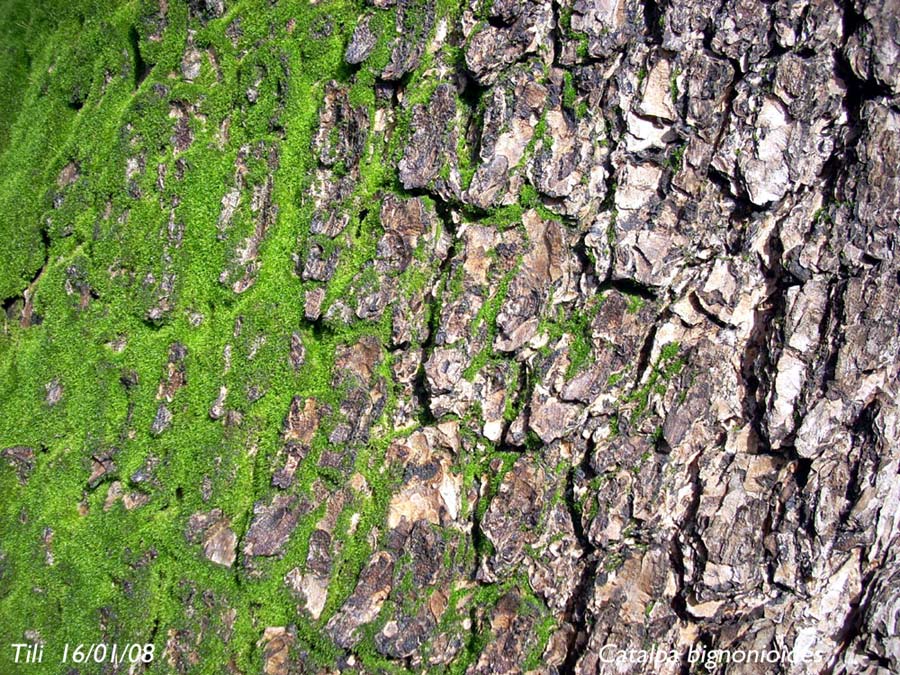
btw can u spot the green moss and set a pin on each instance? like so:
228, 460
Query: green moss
634, 303
673, 84
675, 159
69, 111
581, 48
664, 369
569, 93
487, 316
93, 85
613, 561
614, 426
616, 377
579, 327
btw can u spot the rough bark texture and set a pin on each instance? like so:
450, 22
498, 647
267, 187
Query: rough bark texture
470, 337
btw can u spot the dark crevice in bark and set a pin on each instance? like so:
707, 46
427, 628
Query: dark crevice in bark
831, 336
576, 611
858, 90
643, 360
687, 534
698, 307
140, 69
420, 385
653, 11
629, 287
554, 32
27, 316
863, 436
764, 348
497, 22
853, 627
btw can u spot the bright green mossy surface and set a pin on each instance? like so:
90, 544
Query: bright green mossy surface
86, 86
81, 84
